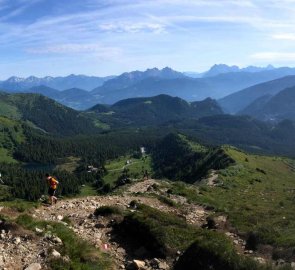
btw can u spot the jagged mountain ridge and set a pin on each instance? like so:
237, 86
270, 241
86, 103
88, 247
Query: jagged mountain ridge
138, 85
60, 83
154, 82
222, 68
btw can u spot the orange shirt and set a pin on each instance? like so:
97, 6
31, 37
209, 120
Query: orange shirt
52, 182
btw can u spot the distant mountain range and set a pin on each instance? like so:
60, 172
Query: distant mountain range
170, 82
220, 82
60, 83
222, 68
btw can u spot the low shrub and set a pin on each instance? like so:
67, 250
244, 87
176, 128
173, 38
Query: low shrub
212, 251
108, 211
163, 234
167, 201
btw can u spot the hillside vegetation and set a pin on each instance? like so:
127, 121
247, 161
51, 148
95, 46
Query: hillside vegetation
11, 135
46, 114
240, 100
154, 110
275, 108
176, 158
257, 195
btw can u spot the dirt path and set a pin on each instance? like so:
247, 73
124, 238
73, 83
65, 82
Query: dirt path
98, 231
21, 248
211, 181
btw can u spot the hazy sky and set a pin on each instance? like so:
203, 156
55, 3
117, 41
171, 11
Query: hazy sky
103, 37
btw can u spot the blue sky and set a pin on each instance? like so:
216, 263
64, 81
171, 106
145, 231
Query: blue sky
103, 37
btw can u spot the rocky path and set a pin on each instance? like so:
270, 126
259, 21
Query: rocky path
211, 181
20, 250
25, 250
98, 231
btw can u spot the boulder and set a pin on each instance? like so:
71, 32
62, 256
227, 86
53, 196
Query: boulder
139, 265
57, 240
158, 264
34, 266
59, 217
16, 240
163, 266
55, 253
37, 230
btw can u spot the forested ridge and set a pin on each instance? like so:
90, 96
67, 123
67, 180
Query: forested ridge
39, 148
45, 149
174, 158
32, 184
46, 114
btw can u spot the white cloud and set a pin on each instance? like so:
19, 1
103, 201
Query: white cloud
71, 48
274, 56
133, 27
284, 36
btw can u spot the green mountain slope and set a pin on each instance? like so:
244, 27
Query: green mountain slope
45, 114
11, 134
257, 194
254, 193
244, 132
177, 158
156, 110
276, 108
75, 98
240, 100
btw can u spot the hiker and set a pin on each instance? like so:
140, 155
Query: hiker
1, 181
146, 175
52, 182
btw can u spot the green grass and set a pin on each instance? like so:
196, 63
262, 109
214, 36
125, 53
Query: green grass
108, 211
83, 256
188, 191
87, 190
166, 201
11, 133
258, 195
9, 110
6, 157
101, 125
69, 165
194, 145
212, 251
115, 168
20, 205
165, 233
